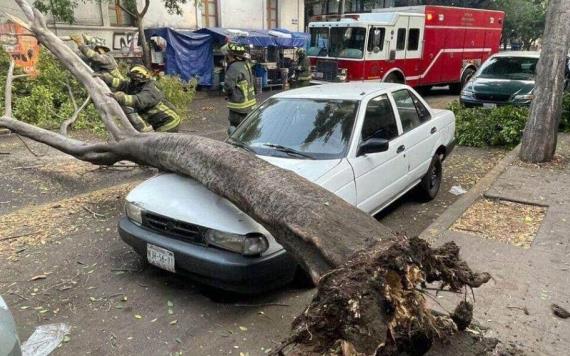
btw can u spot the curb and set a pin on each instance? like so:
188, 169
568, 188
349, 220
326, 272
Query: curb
455, 210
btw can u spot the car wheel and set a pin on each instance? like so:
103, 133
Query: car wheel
432, 180
393, 78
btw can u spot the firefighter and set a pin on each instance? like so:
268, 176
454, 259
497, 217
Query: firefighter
96, 54
142, 102
302, 69
238, 83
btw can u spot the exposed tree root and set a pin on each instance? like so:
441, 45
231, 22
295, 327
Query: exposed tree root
374, 304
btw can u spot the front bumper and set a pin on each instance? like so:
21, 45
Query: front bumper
215, 267
474, 103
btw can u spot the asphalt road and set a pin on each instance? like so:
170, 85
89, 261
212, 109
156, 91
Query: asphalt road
64, 262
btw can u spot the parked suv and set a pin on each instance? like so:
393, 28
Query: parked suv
369, 143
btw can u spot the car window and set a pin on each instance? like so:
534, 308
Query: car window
413, 39
407, 109
379, 120
376, 38
423, 112
401, 42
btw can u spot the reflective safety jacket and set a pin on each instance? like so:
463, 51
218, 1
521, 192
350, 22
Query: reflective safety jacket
148, 101
303, 68
101, 62
239, 87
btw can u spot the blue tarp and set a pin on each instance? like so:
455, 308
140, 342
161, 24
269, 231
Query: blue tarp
188, 54
257, 38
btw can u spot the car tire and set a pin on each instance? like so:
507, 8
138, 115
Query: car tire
431, 182
393, 78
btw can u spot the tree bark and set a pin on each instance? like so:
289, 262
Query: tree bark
540, 134
369, 298
144, 43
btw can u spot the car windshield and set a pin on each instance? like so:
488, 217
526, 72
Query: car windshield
299, 128
517, 68
341, 42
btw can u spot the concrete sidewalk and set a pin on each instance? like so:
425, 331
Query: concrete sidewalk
516, 305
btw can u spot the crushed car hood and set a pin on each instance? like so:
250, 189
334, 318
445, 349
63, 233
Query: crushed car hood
185, 199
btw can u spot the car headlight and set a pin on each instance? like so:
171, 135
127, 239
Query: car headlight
525, 97
134, 212
248, 245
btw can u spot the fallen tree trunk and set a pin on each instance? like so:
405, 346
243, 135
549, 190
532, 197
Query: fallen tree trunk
371, 302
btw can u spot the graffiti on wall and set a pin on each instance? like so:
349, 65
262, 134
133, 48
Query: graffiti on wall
21, 45
126, 43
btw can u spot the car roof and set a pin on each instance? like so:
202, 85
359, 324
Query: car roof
342, 91
524, 54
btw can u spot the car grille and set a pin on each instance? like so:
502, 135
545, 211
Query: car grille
328, 68
173, 228
493, 97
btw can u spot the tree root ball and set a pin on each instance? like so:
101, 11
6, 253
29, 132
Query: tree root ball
374, 303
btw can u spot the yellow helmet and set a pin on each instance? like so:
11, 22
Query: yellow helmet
234, 49
139, 72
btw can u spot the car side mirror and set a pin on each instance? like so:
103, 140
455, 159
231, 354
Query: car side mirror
373, 145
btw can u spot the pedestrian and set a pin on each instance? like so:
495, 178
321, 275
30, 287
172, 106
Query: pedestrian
238, 84
143, 103
302, 69
97, 55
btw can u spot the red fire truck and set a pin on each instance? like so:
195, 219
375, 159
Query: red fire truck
421, 46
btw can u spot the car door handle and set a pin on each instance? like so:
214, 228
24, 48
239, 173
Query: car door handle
433, 130
401, 149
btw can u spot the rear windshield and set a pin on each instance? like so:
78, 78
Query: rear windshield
517, 68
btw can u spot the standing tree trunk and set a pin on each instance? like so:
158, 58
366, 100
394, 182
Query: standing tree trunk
144, 43
540, 134
370, 296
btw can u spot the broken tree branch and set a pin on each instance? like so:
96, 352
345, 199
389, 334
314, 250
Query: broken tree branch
8, 89
65, 125
112, 115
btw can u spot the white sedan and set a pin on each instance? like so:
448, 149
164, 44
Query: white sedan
369, 143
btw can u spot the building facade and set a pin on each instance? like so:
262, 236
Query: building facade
107, 20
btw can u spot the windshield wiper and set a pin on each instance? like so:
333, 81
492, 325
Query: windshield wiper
240, 144
288, 150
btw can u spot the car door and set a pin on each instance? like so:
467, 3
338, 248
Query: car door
420, 136
379, 177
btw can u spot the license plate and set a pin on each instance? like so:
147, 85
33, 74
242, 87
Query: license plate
319, 75
160, 257
489, 105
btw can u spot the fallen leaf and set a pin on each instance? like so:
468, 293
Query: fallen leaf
137, 316
170, 304
39, 276
243, 328
173, 322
